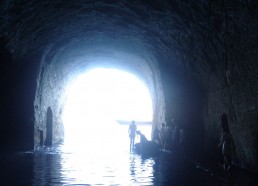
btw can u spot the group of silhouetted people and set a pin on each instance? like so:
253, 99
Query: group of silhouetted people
144, 146
171, 137
168, 137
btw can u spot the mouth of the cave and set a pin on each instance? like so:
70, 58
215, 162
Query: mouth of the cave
99, 107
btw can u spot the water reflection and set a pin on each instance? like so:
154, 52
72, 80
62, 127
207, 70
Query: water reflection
61, 165
94, 169
97, 169
141, 171
46, 169
110, 163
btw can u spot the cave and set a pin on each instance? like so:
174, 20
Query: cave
197, 58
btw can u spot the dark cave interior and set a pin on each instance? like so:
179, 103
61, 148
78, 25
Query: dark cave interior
198, 58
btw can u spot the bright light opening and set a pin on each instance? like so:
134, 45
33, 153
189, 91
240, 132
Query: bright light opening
96, 100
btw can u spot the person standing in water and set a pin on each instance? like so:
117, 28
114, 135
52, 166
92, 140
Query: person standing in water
227, 143
156, 135
143, 140
132, 131
163, 135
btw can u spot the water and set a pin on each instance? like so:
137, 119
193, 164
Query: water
79, 165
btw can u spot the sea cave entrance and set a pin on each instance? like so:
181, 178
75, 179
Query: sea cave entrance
99, 107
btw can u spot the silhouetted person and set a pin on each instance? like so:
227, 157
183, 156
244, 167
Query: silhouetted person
226, 141
132, 131
176, 137
145, 146
169, 137
143, 141
156, 135
163, 135
172, 134
181, 140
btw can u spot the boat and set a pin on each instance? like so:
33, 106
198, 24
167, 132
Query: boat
147, 148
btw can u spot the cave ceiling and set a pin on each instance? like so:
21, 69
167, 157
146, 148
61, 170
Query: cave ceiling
191, 31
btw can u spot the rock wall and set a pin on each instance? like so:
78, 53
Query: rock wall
238, 99
49, 95
18, 84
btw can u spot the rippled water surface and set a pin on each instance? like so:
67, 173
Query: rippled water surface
79, 165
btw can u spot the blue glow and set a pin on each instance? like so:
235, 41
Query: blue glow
103, 96
95, 144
